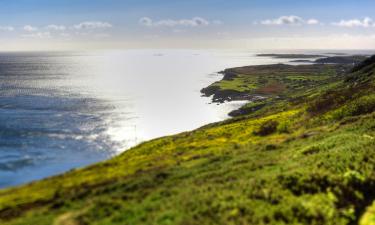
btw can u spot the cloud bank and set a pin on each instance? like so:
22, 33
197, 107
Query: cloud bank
38, 35
289, 20
193, 22
366, 23
55, 27
63, 31
90, 25
29, 28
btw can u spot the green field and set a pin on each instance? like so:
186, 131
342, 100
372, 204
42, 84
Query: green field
307, 156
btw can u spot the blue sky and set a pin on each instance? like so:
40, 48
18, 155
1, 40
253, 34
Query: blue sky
92, 24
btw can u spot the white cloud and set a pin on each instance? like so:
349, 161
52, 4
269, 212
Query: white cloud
90, 25
38, 35
289, 20
366, 22
6, 28
145, 21
66, 32
30, 28
194, 22
312, 21
56, 27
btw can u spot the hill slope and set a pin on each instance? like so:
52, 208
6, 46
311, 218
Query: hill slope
305, 159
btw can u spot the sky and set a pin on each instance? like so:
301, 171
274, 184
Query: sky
197, 24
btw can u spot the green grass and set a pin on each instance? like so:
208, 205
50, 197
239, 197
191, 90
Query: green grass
291, 162
240, 83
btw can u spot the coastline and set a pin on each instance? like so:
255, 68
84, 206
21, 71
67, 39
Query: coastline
311, 147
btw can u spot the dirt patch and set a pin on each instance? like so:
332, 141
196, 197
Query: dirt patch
272, 88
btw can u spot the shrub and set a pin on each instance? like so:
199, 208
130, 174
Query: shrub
267, 128
353, 177
283, 127
329, 100
363, 105
270, 147
311, 150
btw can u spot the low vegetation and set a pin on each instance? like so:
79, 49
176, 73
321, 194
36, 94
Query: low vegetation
304, 155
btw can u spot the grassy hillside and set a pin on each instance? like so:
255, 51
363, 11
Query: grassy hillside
307, 158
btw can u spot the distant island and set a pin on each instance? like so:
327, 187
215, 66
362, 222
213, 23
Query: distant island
339, 58
335, 53
290, 56
300, 152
